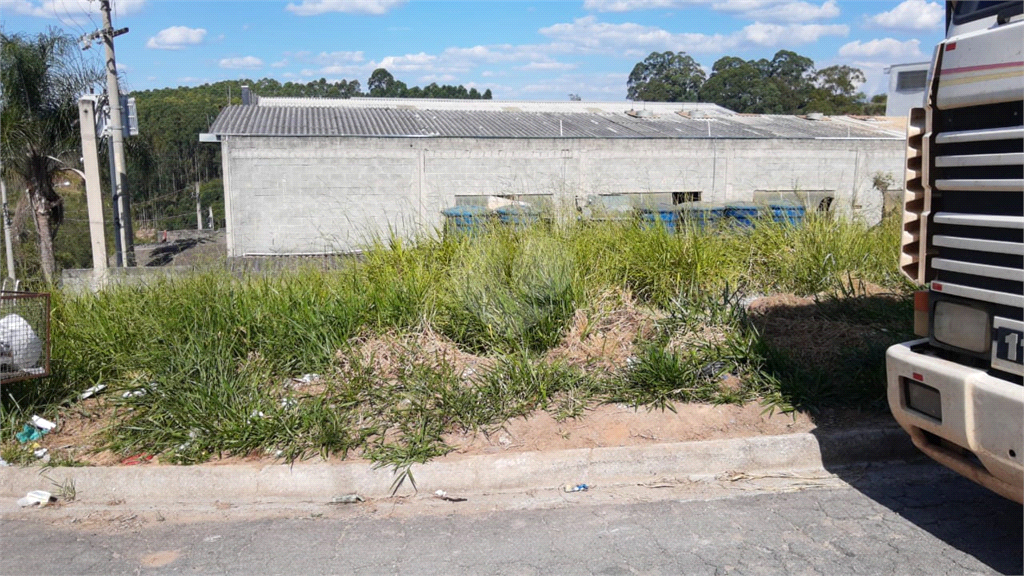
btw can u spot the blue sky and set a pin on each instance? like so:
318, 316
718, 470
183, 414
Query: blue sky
521, 50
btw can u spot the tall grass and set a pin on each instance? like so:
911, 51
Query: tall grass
211, 349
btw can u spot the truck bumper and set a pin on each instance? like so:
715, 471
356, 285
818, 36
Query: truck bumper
980, 431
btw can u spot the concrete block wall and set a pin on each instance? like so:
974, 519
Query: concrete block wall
310, 195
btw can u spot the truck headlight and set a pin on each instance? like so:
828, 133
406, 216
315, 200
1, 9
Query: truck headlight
962, 326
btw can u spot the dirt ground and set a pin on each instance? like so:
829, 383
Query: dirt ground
597, 339
607, 425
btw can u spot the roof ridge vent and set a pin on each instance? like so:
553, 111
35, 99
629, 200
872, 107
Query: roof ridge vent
815, 116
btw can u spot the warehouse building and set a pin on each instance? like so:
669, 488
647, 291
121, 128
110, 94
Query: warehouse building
318, 176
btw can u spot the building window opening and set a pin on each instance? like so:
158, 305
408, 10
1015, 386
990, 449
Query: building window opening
911, 81
683, 197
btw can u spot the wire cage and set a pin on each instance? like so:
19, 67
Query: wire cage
24, 336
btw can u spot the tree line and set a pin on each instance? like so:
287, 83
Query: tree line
786, 84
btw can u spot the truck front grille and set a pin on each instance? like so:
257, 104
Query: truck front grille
977, 208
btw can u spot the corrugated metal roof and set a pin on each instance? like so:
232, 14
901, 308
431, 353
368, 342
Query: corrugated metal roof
411, 122
492, 105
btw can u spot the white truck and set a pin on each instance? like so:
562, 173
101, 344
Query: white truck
958, 391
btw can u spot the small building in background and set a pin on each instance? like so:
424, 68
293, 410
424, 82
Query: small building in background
907, 83
320, 176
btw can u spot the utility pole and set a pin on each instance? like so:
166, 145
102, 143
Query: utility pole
120, 183
199, 210
94, 195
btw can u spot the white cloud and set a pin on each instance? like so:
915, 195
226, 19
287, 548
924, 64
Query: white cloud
548, 65
911, 15
279, 63
176, 38
316, 7
407, 63
339, 57
438, 78
242, 63
588, 35
73, 10
628, 5
889, 48
760, 10
779, 35
779, 11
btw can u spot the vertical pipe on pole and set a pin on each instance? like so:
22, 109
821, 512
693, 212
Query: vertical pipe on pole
116, 211
7, 229
199, 210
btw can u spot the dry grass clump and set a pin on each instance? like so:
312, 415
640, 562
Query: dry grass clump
604, 335
391, 354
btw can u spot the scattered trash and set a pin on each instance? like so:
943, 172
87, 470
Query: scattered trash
713, 369
134, 393
137, 459
347, 499
91, 391
29, 434
212, 538
43, 423
39, 452
257, 414
632, 361
444, 496
3, 463
576, 488
306, 379
289, 402
20, 347
36, 497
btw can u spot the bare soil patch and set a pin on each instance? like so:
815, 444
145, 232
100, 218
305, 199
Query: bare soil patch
612, 425
603, 336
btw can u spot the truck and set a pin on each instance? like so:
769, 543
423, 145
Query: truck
958, 390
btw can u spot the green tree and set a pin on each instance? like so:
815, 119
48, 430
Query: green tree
43, 77
383, 84
836, 92
665, 77
742, 86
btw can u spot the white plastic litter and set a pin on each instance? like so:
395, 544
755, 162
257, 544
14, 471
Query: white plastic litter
40, 497
19, 346
43, 423
91, 391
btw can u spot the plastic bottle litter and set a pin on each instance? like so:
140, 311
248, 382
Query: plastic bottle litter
36, 497
347, 499
91, 391
43, 423
576, 488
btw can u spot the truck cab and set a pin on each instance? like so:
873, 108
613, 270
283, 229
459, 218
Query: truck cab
958, 390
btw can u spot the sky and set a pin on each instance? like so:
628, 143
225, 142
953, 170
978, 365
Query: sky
520, 50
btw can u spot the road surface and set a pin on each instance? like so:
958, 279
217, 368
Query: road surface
907, 519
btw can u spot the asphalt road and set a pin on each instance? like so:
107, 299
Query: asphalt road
906, 519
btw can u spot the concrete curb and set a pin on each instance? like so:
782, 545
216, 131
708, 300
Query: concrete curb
206, 484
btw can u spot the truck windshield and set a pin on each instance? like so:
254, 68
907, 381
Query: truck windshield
968, 10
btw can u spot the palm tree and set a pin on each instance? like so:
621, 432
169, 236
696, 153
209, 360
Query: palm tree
42, 78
